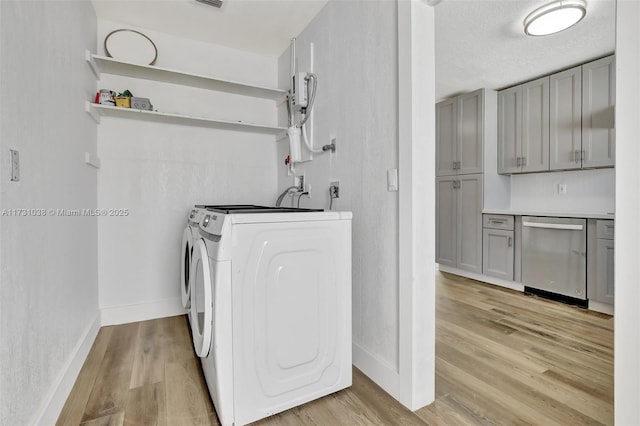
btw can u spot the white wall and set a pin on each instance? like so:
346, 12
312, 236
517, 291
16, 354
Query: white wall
587, 191
356, 50
627, 267
158, 171
49, 284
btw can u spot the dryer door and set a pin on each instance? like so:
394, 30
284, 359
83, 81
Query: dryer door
187, 249
201, 299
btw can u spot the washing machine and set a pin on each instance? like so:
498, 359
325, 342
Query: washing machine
271, 307
191, 231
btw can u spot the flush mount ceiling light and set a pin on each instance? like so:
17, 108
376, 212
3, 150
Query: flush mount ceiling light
555, 17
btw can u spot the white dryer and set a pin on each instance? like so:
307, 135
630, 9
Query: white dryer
190, 232
271, 307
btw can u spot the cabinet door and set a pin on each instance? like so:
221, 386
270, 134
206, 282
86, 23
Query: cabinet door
471, 130
446, 220
535, 125
605, 277
497, 253
509, 129
598, 103
469, 236
446, 137
565, 120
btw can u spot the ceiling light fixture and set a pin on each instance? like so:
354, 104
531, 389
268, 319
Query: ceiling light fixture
555, 17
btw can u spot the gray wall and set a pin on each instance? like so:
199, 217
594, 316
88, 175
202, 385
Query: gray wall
49, 285
356, 61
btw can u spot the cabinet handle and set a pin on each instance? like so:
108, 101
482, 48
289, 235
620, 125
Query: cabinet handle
517, 161
576, 156
510, 242
497, 221
523, 161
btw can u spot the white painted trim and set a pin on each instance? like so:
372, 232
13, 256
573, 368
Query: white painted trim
55, 399
416, 210
483, 278
603, 308
627, 206
112, 315
382, 373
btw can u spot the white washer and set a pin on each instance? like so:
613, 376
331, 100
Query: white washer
190, 233
271, 307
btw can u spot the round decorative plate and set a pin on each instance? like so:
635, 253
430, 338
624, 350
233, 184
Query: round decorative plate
130, 46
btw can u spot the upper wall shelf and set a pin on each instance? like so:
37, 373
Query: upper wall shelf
102, 64
96, 111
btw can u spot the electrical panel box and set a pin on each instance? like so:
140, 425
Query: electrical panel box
300, 91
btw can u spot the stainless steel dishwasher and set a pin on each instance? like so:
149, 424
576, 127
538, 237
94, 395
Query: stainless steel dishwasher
554, 257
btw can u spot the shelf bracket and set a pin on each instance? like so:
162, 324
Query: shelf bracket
92, 63
93, 162
92, 112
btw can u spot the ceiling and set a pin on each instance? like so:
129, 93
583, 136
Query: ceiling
481, 43
259, 26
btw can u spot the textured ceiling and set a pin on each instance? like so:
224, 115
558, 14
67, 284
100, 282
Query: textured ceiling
481, 43
258, 26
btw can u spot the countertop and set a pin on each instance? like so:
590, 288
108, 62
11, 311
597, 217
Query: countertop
586, 215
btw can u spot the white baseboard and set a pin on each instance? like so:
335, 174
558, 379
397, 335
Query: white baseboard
55, 399
603, 308
483, 278
113, 315
377, 370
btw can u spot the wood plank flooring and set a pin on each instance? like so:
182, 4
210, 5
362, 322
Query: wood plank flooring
502, 358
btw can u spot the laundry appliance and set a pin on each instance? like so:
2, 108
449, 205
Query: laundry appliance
190, 233
271, 307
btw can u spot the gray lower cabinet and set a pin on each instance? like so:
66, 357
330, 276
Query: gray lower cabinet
459, 222
498, 246
601, 281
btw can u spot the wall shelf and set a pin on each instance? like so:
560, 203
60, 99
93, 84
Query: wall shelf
102, 64
96, 111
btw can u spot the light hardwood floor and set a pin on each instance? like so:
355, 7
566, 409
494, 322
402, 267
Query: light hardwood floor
502, 358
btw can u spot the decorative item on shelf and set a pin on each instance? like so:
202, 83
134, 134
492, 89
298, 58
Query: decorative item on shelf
131, 46
106, 97
141, 103
123, 99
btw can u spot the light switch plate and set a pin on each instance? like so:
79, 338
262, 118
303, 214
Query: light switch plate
15, 165
392, 180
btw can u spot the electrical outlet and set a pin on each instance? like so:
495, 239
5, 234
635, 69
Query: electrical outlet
334, 189
562, 189
332, 142
299, 182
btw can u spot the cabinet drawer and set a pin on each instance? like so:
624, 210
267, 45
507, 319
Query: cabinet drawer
605, 229
497, 221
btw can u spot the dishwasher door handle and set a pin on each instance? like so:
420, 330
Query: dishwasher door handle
553, 226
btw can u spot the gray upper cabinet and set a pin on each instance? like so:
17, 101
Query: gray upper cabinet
459, 222
598, 103
523, 128
460, 134
565, 122
509, 129
447, 137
